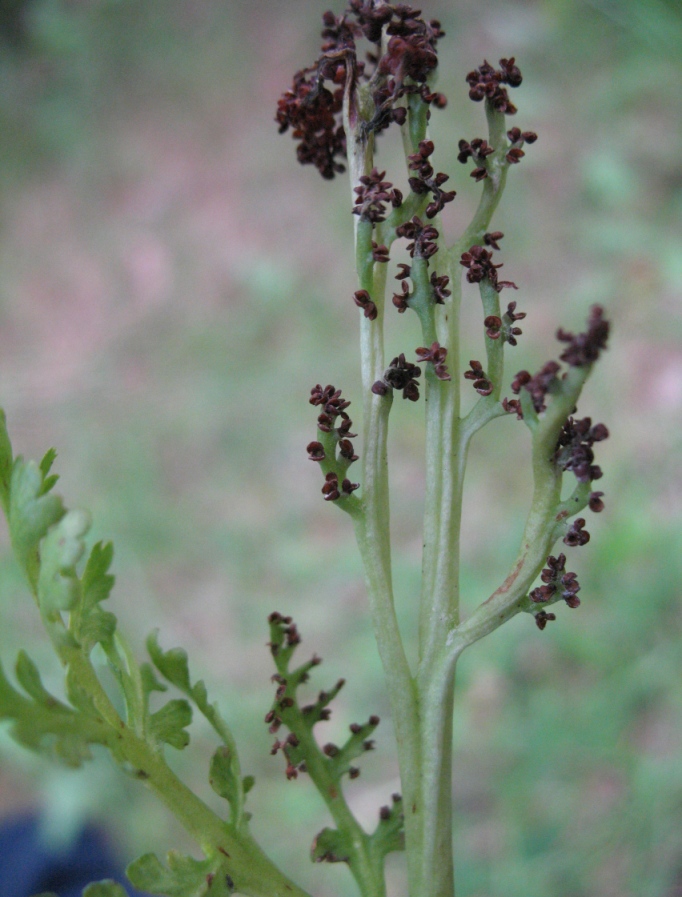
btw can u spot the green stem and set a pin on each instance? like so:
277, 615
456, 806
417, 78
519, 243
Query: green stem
439, 607
372, 522
253, 873
493, 184
436, 870
432, 873
446, 449
494, 348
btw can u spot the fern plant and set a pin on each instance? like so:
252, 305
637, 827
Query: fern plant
375, 74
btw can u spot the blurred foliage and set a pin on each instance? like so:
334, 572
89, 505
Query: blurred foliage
171, 287
13, 21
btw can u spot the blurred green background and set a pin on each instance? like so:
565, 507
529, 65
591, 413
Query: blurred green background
171, 285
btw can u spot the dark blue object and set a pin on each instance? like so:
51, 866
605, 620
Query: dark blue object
28, 866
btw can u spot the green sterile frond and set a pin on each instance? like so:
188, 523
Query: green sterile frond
6, 463
247, 783
225, 775
106, 888
225, 771
97, 581
149, 681
28, 676
167, 725
59, 588
99, 626
225, 778
45, 466
90, 624
199, 695
78, 695
44, 724
172, 664
183, 877
48, 542
31, 514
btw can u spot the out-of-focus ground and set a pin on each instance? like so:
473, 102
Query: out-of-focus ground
171, 285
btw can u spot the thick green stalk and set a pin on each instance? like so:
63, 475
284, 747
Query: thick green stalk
372, 524
439, 612
439, 602
446, 450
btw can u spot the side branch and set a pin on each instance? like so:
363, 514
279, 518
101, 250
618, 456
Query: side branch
540, 531
493, 186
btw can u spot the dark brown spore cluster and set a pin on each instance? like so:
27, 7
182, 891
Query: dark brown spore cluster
487, 83
312, 107
401, 375
333, 418
574, 449
479, 264
373, 193
286, 710
582, 349
426, 180
394, 74
557, 583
